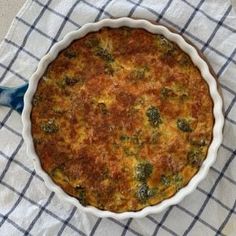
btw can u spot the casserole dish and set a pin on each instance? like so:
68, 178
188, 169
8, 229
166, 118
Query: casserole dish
155, 29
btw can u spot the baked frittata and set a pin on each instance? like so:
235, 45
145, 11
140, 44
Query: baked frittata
122, 119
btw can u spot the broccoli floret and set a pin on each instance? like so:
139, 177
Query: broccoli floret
93, 42
144, 192
138, 73
178, 181
81, 195
166, 92
184, 125
165, 180
134, 139
195, 157
37, 141
185, 61
104, 54
164, 45
143, 171
50, 127
154, 117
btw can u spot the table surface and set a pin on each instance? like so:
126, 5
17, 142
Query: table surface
9, 8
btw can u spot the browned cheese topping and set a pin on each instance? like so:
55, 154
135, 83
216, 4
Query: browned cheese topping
122, 119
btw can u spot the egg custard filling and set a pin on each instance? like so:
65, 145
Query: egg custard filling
122, 119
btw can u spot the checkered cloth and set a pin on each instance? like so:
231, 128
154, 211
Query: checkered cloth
27, 207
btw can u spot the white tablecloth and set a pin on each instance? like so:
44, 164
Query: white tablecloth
28, 207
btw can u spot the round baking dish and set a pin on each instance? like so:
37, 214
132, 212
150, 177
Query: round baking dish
48, 58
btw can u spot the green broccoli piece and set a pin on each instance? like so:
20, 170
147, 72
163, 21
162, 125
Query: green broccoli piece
166, 92
185, 61
184, 125
178, 181
164, 45
134, 139
138, 73
93, 42
154, 117
81, 195
195, 157
104, 54
143, 171
144, 192
165, 180
49, 127
37, 141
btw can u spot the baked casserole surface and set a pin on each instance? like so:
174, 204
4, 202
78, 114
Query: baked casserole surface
122, 119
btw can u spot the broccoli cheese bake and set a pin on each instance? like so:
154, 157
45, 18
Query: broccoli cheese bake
122, 119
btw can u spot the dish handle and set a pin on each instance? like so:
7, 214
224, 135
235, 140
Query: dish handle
13, 97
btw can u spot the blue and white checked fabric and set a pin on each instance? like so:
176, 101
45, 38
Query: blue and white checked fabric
27, 207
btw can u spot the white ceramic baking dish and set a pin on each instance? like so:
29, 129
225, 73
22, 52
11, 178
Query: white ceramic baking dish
155, 29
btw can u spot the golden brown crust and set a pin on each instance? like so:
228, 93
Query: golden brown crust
122, 119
